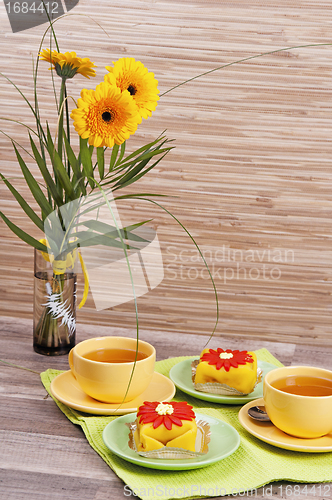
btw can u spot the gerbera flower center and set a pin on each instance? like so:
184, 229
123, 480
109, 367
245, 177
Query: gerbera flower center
107, 116
225, 355
164, 409
131, 89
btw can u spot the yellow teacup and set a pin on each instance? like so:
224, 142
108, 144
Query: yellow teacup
103, 366
295, 412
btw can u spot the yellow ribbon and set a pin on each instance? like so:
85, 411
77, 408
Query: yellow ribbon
46, 255
86, 281
60, 266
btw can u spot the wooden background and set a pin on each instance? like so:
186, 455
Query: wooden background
251, 174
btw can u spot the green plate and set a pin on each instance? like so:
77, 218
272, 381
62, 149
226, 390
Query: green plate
180, 374
224, 441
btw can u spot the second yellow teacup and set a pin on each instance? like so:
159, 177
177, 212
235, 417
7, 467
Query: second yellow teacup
103, 366
291, 404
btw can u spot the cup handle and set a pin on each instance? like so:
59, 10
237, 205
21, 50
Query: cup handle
70, 361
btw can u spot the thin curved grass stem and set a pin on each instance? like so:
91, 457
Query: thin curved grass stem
18, 366
243, 60
132, 284
201, 254
15, 142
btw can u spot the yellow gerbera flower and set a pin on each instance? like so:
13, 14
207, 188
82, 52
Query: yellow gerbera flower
68, 64
133, 76
106, 115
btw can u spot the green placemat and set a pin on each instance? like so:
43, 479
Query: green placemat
254, 464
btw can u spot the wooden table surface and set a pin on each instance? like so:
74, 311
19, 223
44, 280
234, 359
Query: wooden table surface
43, 455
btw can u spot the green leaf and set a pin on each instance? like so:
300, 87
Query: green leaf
90, 209
128, 196
86, 161
23, 235
131, 165
101, 162
114, 155
59, 169
142, 149
135, 174
46, 174
34, 186
102, 227
150, 154
26, 100
112, 232
74, 163
25, 206
122, 152
100, 239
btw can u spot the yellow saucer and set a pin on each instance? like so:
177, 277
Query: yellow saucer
268, 433
65, 388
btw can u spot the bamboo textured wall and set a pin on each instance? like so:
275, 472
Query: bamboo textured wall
251, 174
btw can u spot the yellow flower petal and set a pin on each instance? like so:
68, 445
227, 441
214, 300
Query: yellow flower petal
106, 115
70, 61
133, 76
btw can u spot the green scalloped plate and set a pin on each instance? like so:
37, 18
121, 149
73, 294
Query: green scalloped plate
180, 374
224, 441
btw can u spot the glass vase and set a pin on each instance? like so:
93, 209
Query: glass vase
54, 314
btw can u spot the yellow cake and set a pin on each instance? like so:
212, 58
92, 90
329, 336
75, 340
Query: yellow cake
165, 424
236, 369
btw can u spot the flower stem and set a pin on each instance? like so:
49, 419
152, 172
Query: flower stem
60, 129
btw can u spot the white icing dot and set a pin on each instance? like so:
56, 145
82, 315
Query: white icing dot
225, 355
164, 409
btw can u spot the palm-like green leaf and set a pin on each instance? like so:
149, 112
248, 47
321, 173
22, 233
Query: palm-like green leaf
23, 235
59, 168
34, 187
26, 100
134, 159
86, 160
127, 166
112, 232
99, 239
78, 183
114, 155
25, 206
101, 162
46, 174
135, 174
135, 195
133, 167
141, 150
122, 152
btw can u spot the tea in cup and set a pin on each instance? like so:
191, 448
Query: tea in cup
103, 367
298, 400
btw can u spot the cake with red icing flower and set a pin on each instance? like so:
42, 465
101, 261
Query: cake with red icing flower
161, 424
221, 370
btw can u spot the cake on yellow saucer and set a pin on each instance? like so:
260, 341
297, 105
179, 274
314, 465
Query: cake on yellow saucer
234, 372
165, 424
